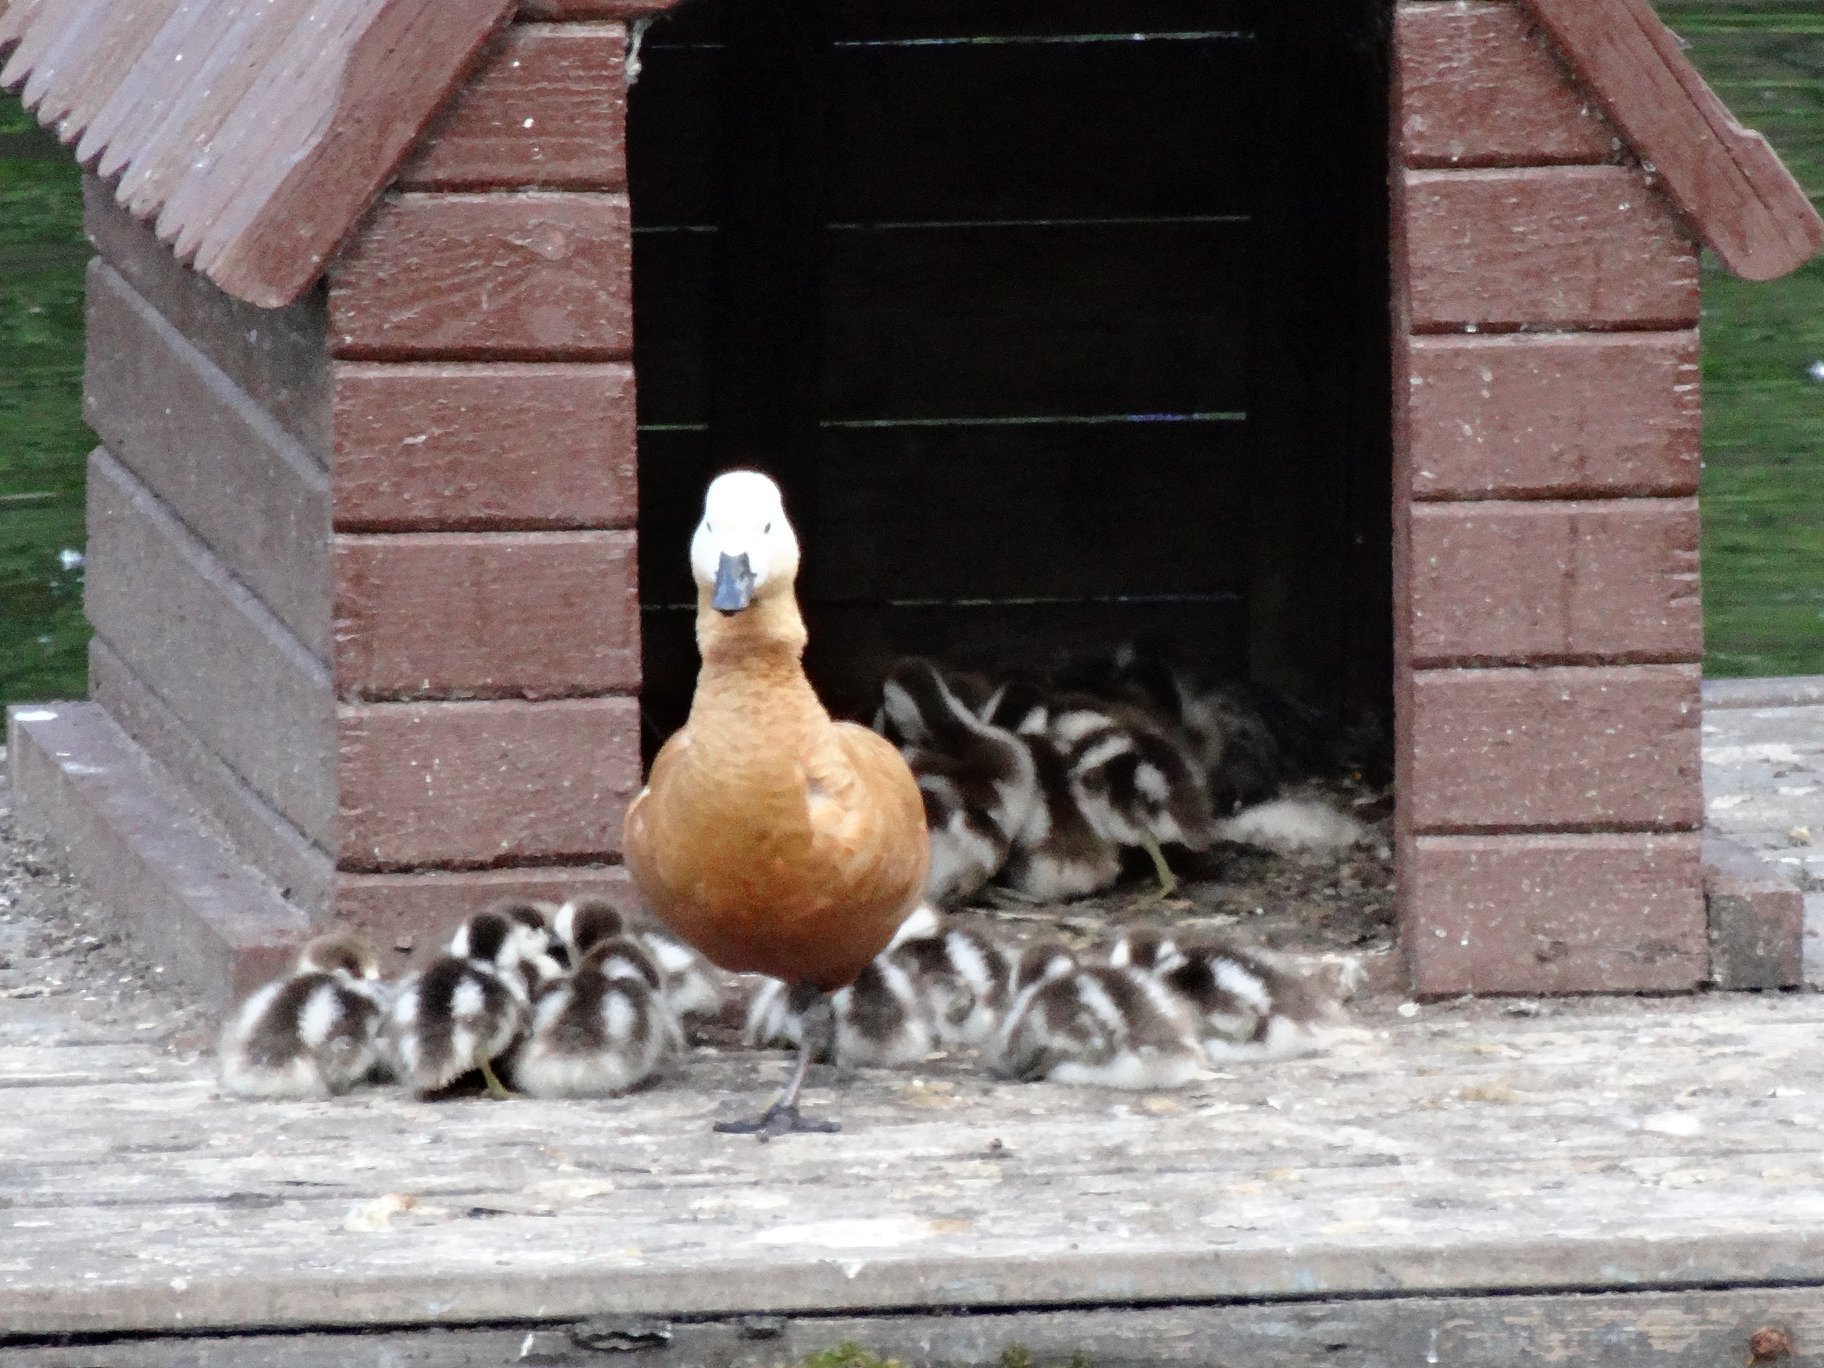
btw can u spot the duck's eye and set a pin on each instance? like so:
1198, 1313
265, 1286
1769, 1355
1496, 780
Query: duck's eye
767, 531
710, 528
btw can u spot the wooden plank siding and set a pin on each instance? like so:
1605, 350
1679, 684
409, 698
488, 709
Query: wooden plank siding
1549, 627
487, 634
217, 460
219, 660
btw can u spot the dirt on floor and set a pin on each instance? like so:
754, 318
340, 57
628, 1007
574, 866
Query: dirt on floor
66, 976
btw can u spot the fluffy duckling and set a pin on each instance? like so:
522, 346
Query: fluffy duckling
977, 780
1098, 1025
314, 1033
1058, 854
1249, 1003
880, 1019
602, 1031
690, 984
963, 978
1136, 783
515, 937
1295, 826
769, 837
455, 1015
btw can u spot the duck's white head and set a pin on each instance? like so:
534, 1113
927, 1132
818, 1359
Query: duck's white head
744, 548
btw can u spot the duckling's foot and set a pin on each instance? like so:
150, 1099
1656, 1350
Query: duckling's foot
496, 1089
1168, 881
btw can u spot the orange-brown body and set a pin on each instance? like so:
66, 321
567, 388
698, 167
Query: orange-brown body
770, 837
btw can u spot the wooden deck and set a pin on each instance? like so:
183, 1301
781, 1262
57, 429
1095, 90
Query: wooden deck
1449, 1185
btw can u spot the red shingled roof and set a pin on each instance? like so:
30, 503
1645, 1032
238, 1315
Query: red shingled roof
253, 133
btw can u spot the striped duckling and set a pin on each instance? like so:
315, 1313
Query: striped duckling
1249, 1003
1096, 1025
1137, 784
963, 978
882, 1021
604, 1030
313, 1033
977, 779
1057, 854
692, 987
468, 1007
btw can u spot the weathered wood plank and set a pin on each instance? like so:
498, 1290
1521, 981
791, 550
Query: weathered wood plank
1554, 914
187, 903
1561, 416
221, 662
547, 109
1555, 583
236, 478
1555, 749
448, 447
1557, 247
67, 1065
484, 783
1727, 180
1757, 919
532, 275
486, 614
279, 357
1481, 86
417, 912
300, 869
267, 239
1624, 1330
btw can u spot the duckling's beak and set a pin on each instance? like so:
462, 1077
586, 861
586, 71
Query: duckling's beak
734, 584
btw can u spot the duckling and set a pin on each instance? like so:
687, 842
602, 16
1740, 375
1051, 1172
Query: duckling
1135, 782
1101, 1026
977, 780
963, 978
514, 936
602, 1031
1248, 1002
690, 984
880, 1019
1058, 854
314, 1033
1295, 826
455, 1015
769, 837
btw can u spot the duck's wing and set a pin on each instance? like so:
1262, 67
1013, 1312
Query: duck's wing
867, 816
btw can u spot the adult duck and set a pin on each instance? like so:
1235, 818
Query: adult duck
770, 837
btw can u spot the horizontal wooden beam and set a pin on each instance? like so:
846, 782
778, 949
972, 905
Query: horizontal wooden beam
478, 784
1552, 914
1746, 205
225, 467
547, 109
1551, 247
1560, 416
533, 275
470, 446
486, 615
592, 9
301, 870
1581, 582
1555, 749
278, 357
223, 664
1480, 86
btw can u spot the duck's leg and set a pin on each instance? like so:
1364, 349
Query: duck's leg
783, 1117
1168, 881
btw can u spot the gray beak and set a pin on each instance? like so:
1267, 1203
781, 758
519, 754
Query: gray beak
734, 584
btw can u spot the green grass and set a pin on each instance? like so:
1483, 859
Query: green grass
43, 638
1763, 495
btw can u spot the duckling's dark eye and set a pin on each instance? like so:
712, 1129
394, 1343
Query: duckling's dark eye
767, 530
709, 527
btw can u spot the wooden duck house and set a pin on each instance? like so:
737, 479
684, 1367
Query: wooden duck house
1351, 344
